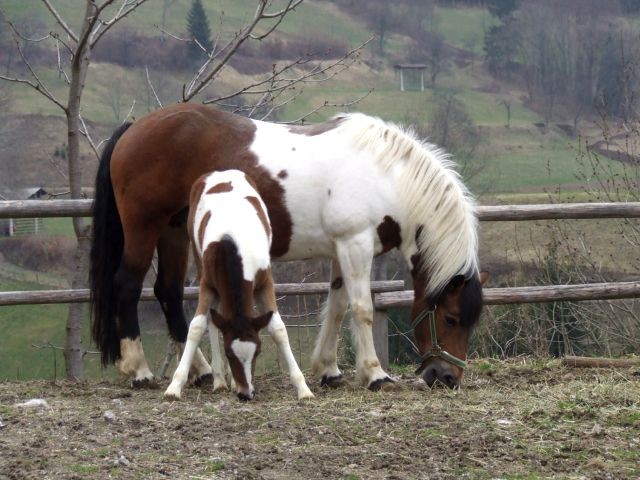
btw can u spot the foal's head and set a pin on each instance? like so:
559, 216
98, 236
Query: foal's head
241, 337
442, 326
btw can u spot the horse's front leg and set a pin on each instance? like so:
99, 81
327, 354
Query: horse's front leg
196, 330
217, 361
355, 255
266, 301
324, 360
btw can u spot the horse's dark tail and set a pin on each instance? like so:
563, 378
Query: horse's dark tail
107, 244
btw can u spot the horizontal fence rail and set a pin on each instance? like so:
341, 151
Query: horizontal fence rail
40, 297
388, 293
541, 294
487, 213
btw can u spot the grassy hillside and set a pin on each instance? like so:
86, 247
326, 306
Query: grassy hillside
520, 158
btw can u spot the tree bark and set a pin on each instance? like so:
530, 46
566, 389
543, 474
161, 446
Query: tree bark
73, 353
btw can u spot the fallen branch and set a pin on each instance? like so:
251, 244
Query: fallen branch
596, 362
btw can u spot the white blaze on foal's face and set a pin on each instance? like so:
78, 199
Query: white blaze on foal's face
244, 353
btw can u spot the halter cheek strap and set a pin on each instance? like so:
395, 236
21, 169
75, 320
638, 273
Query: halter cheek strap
436, 350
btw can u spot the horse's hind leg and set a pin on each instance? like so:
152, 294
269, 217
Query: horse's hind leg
324, 360
138, 252
173, 255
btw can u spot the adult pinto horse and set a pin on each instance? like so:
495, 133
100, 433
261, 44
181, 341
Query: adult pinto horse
348, 189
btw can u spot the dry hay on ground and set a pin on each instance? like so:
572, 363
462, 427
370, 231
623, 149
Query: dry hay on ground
517, 420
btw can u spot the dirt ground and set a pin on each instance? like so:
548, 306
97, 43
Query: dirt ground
522, 419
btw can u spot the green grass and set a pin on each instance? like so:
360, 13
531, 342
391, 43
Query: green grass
58, 226
28, 326
464, 27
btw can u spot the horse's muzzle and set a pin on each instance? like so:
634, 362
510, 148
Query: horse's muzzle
243, 397
440, 373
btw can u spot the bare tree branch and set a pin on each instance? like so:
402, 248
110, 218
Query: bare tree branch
279, 15
153, 90
60, 69
200, 81
38, 85
126, 117
275, 83
327, 104
85, 132
60, 20
127, 7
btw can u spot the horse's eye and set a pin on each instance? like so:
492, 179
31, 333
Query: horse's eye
450, 321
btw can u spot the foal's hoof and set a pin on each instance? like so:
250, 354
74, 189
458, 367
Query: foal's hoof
144, 383
384, 384
205, 380
332, 382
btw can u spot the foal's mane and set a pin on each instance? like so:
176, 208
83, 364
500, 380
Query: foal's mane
438, 208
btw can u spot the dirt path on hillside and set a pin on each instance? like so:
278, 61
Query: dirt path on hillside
525, 420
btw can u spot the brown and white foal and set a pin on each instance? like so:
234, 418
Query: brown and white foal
231, 236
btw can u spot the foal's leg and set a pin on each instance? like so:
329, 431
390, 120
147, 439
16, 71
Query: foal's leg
173, 254
355, 255
266, 301
196, 330
217, 362
324, 360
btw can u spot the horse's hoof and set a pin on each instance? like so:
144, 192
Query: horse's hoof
384, 384
205, 380
220, 385
145, 383
332, 382
306, 396
171, 397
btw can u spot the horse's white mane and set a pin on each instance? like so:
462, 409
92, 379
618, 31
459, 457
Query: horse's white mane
431, 192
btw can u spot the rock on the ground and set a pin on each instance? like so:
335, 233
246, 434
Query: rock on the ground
34, 403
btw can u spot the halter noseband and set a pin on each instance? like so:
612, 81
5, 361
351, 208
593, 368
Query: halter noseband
436, 350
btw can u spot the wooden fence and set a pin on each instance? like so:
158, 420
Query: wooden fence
388, 294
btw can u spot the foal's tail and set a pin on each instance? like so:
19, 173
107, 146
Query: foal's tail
107, 244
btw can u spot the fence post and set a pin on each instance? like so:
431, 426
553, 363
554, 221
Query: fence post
381, 337
380, 319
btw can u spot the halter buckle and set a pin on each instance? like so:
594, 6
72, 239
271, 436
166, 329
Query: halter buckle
436, 350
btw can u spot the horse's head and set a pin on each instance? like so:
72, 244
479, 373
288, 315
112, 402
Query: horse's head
241, 338
442, 326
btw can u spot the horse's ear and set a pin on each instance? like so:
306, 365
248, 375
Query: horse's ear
262, 321
484, 278
219, 321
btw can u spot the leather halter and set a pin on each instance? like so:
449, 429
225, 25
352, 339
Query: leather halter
436, 350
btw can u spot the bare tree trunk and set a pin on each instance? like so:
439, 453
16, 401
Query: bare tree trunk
73, 353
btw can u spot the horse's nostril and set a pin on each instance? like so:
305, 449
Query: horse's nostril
450, 381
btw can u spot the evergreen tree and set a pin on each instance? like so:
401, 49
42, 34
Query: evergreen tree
611, 80
501, 47
501, 8
198, 26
